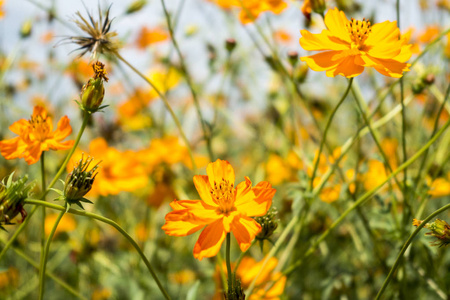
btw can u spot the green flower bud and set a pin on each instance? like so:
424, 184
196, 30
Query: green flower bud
230, 44
12, 196
318, 6
136, 6
439, 229
93, 91
268, 224
79, 182
25, 30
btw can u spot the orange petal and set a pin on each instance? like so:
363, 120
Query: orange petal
346, 67
387, 67
199, 211
256, 201
12, 148
321, 61
63, 129
210, 240
335, 21
321, 41
33, 153
220, 170
245, 229
20, 126
175, 226
203, 188
382, 34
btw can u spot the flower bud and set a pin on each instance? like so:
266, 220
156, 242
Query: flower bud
236, 292
25, 30
230, 44
318, 6
136, 6
12, 196
268, 224
79, 182
293, 57
93, 91
439, 229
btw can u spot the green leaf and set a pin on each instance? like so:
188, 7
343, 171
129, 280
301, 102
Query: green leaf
193, 291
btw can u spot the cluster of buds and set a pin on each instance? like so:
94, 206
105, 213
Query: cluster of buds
93, 91
78, 183
12, 196
268, 223
439, 229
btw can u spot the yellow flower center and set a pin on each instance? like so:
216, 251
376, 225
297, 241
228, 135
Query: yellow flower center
40, 128
359, 31
223, 194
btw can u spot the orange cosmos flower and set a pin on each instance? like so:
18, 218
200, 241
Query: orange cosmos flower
349, 46
35, 136
224, 208
149, 36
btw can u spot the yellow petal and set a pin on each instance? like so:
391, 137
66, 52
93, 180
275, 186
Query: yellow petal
210, 240
203, 187
335, 21
220, 170
245, 229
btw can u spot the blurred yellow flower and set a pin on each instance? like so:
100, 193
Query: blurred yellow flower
119, 170
280, 170
389, 146
430, 33
36, 136
375, 175
440, 187
101, 294
182, 277
66, 224
9, 278
350, 46
224, 208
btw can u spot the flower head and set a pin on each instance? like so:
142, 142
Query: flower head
349, 46
35, 136
440, 229
93, 91
224, 208
99, 40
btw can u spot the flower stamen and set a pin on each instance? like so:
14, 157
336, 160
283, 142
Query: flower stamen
359, 31
40, 128
223, 194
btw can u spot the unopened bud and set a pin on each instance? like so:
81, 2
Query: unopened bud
439, 229
293, 57
318, 6
268, 223
429, 79
12, 196
93, 91
25, 30
135, 6
79, 182
230, 44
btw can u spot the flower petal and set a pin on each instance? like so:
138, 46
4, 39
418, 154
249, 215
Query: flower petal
335, 21
387, 67
210, 240
220, 170
203, 187
245, 229
346, 67
321, 41
63, 129
254, 202
20, 126
321, 61
12, 148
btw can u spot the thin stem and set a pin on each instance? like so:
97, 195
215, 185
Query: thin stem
228, 261
366, 197
47, 273
113, 224
187, 76
327, 127
405, 246
45, 255
241, 256
166, 103
44, 188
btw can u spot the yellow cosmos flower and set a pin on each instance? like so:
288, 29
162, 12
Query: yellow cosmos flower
440, 187
349, 46
224, 208
149, 36
67, 224
36, 136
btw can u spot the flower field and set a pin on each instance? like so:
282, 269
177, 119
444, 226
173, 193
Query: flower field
225, 149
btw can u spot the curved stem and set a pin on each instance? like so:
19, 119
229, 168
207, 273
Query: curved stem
327, 127
405, 246
184, 69
228, 261
43, 265
366, 196
113, 224
43, 187
166, 103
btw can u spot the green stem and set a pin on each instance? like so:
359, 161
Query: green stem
228, 261
241, 256
43, 187
187, 76
324, 137
365, 197
113, 224
166, 103
405, 246
43, 265
47, 273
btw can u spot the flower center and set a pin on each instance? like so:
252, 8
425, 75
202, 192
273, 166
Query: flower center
223, 194
40, 128
359, 31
